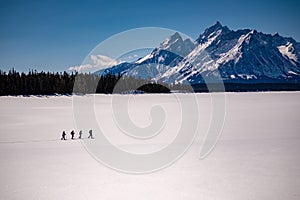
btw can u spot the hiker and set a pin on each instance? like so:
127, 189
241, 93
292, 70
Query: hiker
63, 136
72, 134
91, 134
80, 134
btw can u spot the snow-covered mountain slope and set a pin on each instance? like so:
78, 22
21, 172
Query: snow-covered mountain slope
241, 55
161, 59
238, 55
155, 64
120, 68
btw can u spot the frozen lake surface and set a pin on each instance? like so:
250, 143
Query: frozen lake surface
257, 156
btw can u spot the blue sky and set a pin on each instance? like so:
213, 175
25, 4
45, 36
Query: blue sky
54, 35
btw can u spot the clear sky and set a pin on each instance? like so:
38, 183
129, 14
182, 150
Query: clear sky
54, 35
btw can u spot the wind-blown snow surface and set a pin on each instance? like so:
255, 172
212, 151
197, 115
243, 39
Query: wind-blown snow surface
257, 156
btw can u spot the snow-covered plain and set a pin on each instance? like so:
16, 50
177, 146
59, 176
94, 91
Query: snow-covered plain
257, 156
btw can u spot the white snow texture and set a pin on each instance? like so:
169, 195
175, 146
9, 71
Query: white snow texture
257, 156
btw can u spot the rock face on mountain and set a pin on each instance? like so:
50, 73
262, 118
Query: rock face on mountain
235, 56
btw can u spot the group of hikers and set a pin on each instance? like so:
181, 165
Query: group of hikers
63, 136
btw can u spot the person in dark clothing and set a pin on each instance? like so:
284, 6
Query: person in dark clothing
80, 134
63, 136
72, 134
91, 134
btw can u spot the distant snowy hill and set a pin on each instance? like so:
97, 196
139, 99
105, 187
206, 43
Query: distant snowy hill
243, 55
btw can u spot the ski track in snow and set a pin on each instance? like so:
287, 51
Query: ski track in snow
257, 156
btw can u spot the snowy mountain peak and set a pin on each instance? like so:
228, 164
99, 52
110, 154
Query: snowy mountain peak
218, 23
276, 34
216, 26
212, 32
171, 41
176, 45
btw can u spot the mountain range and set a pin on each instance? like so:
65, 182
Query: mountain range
241, 56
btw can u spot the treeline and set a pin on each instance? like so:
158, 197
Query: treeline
51, 83
35, 83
